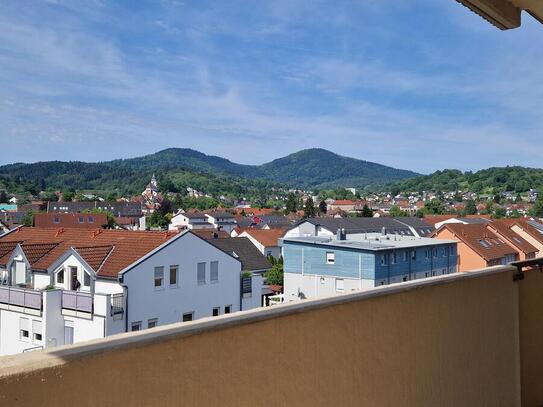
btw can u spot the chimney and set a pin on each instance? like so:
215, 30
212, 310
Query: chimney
383, 231
215, 235
341, 235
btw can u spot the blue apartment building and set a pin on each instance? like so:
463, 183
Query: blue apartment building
322, 266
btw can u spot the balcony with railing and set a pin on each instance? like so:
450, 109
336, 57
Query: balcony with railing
78, 302
24, 298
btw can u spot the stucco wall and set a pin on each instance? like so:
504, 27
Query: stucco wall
451, 341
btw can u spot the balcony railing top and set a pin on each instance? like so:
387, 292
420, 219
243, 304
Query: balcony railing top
21, 297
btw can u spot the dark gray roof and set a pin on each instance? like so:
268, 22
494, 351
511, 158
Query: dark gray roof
194, 215
275, 220
220, 214
122, 209
246, 252
363, 225
421, 227
474, 221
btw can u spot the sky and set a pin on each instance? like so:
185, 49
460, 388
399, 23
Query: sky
421, 84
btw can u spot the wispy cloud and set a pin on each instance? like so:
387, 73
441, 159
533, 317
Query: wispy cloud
107, 80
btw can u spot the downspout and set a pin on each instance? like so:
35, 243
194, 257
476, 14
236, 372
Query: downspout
125, 289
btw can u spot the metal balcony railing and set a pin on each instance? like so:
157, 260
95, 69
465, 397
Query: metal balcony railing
117, 304
78, 301
22, 297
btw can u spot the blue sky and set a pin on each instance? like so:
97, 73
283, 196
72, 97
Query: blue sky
419, 84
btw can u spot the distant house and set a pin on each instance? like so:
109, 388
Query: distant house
502, 228
222, 220
478, 246
70, 220
8, 208
191, 221
265, 240
118, 209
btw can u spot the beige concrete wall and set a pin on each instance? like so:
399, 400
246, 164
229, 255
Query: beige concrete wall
447, 341
531, 338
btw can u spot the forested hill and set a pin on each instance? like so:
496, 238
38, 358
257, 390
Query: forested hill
313, 168
491, 180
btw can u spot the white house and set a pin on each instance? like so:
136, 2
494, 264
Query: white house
191, 221
265, 240
61, 286
222, 221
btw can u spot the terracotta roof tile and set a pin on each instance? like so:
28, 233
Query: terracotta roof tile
480, 239
129, 246
267, 237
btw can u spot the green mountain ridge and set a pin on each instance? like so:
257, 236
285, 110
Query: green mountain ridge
312, 168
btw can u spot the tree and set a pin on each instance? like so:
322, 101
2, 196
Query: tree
499, 213
515, 214
275, 274
157, 220
28, 218
518, 199
68, 196
396, 211
323, 208
434, 207
3, 197
367, 212
470, 208
537, 210
309, 208
497, 198
292, 204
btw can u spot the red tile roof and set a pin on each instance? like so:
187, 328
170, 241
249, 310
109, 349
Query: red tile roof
46, 245
481, 240
503, 228
267, 237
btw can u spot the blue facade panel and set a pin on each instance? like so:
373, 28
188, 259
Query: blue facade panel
374, 265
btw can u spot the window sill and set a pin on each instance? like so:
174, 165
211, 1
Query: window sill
215, 282
159, 288
173, 286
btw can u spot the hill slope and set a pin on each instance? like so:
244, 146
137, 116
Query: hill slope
307, 168
317, 167
490, 180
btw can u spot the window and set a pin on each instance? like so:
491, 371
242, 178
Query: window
86, 279
427, 254
56, 219
136, 326
445, 251
405, 255
81, 219
413, 255
268, 253
227, 309
36, 331
60, 277
323, 280
201, 273
330, 257
214, 271
151, 323
24, 329
340, 285
394, 258
188, 316
68, 333
434, 251
159, 277
216, 311
91, 219
384, 259
173, 276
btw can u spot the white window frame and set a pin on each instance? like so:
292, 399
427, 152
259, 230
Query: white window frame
37, 329
340, 285
137, 324
218, 309
176, 284
199, 279
211, 273
191, 313
24, 326
160, 270
152, 321
228, 309
330, 258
